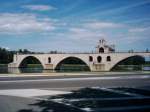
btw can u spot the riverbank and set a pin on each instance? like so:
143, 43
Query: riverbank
76, 74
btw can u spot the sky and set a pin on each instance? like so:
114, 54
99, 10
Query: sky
74, 25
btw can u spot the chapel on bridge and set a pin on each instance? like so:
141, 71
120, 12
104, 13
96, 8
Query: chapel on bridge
103, 47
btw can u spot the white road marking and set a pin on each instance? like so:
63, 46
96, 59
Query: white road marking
80, 79
30, 92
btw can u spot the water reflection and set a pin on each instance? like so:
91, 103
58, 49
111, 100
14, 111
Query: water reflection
131, 68
146, 68
3, 70
24, 70
40, 70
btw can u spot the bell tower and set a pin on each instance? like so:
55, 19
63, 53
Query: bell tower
103, 47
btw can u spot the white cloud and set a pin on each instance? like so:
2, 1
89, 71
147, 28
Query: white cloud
102, 25
39, 7
85, 34
94, 30
117, 10
118, 33
77, 30
138, 30
7, 48
23, 23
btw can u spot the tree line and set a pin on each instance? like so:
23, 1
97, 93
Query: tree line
6, 56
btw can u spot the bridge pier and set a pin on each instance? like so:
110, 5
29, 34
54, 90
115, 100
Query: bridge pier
97, 67
12, 65
48, 66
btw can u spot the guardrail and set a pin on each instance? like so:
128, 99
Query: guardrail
82, 53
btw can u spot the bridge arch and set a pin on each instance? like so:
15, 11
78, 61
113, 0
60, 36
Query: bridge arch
30, 60
74, 62
130, 60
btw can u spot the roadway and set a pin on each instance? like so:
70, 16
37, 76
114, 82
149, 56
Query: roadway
19, 92
70, 82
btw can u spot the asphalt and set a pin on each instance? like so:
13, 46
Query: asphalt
63, 83
15, 104
74, 82
30, 76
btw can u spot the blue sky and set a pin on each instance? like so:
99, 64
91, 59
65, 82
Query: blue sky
74, 25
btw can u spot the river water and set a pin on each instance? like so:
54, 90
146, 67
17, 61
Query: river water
5, 70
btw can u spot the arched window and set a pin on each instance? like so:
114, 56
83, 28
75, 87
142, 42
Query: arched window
101, 50
108, 58
49, 60
90, 58
99, 59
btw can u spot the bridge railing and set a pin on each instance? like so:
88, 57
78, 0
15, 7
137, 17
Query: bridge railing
83, 52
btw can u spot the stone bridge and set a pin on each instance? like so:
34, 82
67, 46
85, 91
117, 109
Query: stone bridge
104, 59
95, 61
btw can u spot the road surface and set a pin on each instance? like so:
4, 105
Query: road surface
18, 92
70, 82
